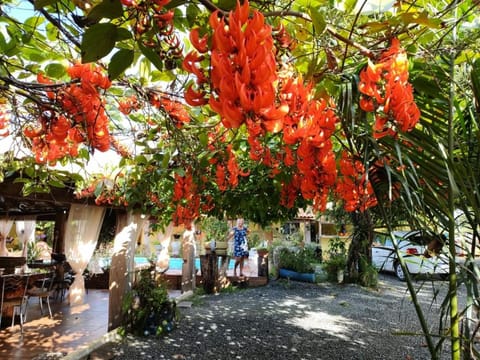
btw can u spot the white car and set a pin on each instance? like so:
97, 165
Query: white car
413, 248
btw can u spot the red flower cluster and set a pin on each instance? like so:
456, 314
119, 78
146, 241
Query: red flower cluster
4, 120
243, 69
353, 187
387, 92
227, 175
185, 200
82, 117
175, 109
309, 125
129, 104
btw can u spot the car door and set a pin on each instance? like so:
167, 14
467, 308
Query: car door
383, 253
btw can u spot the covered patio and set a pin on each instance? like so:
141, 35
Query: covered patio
70, 329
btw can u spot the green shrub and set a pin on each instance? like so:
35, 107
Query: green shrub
333, 264
298, 259
337, 258
147, 309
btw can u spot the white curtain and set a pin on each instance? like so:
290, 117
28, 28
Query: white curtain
122, 271
81, 235
5, 227
26, 233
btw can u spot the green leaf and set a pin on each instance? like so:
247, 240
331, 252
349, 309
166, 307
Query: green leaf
318, 20
98, 41
55, 70
422, 19
123, 34
151, 55
29, 171
475, 76
192, 13
120, 61
51, 31
226, 4
107, 9
39, 4
56, 183
98, 189
3, 43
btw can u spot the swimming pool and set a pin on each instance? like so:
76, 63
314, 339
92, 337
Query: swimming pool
174, 263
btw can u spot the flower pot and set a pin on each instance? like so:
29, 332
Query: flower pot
262, 252
306, 277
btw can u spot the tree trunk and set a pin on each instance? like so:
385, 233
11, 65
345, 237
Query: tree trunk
360, 246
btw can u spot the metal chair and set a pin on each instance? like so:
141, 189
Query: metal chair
43, 291
14, 290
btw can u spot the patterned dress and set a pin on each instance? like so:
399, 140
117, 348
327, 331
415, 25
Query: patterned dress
240, 245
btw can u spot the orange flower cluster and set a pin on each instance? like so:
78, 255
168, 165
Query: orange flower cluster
225, 180
243, 69
120, 148
4, 120
129, 104
108, 195
175, 109
387, 92
309, 126
353, 187
185, 200
83, 117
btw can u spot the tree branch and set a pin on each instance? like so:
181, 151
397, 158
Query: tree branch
329, 29
58, 25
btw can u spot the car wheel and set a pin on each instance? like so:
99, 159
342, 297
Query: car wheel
399, 272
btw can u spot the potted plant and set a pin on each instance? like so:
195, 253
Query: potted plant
336, 263
216, 231
296, 264
335, 267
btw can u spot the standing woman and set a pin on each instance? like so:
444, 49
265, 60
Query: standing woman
240, 245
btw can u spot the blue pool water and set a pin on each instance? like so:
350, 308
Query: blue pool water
176, 263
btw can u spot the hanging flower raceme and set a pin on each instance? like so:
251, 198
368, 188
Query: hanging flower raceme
309, 126
186, 200
80, 118
353, 186
387, 92
242, 70
227, 170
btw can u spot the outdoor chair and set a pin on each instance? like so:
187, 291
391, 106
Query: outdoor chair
42, 289
14, 291
62, 281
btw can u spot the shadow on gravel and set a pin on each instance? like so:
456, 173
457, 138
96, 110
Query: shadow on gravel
293, 320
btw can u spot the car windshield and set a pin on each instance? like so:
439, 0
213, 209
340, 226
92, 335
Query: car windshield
422, 238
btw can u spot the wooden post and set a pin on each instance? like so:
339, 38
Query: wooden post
59, 232
188, 266
209, 267
222, 276
263, 264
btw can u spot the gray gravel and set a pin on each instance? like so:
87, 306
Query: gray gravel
295, 320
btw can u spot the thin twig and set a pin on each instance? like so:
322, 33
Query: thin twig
334, 33
58, 25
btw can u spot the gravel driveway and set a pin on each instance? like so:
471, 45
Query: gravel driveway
295, 320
